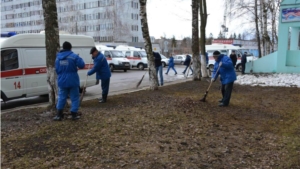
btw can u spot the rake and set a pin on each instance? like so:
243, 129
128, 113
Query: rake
139, 83
204, 97
84, 87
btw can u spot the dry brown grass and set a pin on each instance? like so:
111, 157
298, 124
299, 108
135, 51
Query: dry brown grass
168, 128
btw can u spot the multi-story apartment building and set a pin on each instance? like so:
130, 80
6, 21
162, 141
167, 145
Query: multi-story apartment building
105, 20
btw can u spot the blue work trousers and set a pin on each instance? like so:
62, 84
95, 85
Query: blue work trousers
159, 70
63, 95
105, 86
171, 67
187, 68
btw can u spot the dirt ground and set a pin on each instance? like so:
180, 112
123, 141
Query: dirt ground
168, 128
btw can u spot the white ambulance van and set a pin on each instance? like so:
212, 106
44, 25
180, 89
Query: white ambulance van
23, 64
226, 50
115, 59
136, 56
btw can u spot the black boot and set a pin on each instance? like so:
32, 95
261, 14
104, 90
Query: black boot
75, 116
104, 98
59, 116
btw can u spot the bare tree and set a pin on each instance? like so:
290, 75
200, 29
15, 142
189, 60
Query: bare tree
257, 29
121, 29
263, 14
148, 45
274, 9
52, 47
195, 40
203, 16
173, 43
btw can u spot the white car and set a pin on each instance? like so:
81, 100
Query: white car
164, 60
179, 59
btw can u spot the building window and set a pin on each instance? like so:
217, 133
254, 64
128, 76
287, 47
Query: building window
135, 39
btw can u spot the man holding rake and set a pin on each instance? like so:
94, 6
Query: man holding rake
228, 76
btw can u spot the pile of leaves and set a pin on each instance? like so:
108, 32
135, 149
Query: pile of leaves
168, 128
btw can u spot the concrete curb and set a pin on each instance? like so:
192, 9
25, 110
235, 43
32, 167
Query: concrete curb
43, 105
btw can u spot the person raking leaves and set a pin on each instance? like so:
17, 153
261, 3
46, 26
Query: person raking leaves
102, 71
228, 76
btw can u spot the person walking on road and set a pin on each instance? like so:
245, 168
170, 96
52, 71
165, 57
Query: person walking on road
158, 67
233, 58
228, 76
102, 71
66, 67
187, 63
171, 65
243, 62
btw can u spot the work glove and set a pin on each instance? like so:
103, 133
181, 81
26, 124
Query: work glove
220, 64
97, 81
213, 79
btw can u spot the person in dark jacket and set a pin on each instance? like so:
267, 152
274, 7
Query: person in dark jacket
171, 65
102, 71
228, 76
243, 62
158, 67
66, 67
187, 63
233, 58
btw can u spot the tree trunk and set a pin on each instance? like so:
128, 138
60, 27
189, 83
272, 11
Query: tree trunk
257, 29
195, 40
273, 26
265, 26
263, 47
52, 47
148, 45
203, 16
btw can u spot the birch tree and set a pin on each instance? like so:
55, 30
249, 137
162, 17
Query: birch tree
264, 15
203, 17
265, 6
148, 45
257, 29
274, 9
52, 47
195, 40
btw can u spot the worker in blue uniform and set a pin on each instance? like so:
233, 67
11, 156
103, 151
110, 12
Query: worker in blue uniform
66, 66
102, 71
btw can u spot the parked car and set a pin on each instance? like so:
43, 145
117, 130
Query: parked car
164, 60
179, 59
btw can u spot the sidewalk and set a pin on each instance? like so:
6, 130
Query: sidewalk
87, 97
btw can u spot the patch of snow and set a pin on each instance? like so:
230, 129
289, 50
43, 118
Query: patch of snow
280, 79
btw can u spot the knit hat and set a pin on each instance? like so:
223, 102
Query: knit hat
216, 53
67, 45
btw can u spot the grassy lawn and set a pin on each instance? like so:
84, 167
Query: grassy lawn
168, 128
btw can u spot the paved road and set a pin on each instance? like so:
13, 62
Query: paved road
120, 81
